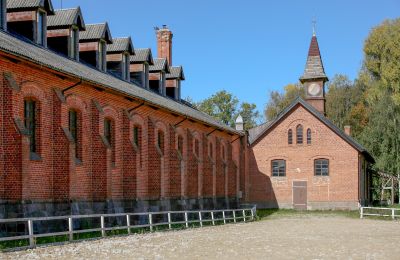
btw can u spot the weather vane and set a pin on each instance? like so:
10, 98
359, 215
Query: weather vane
314, 22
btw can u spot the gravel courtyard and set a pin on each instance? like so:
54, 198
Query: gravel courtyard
300, 237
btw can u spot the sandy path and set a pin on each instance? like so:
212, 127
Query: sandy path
308, 237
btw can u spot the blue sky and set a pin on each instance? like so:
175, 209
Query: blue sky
248, 48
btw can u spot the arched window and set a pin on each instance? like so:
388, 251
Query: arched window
109, 136
210, 150
160, 140
223, 152
30, 121
290, 136
74, 129
180, 144
299, 134
196, 147
308, 136
136, 136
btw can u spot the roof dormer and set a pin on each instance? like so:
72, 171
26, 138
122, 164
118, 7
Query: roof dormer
3, 14
118, 57
63, 31
139, 68
28, 18
173, 82
93, 45
157, 75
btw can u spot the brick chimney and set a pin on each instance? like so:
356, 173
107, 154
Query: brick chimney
347, 130
164, 43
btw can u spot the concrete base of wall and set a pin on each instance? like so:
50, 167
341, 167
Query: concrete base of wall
47, 209
315, 205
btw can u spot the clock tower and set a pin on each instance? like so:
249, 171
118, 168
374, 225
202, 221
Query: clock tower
314, 78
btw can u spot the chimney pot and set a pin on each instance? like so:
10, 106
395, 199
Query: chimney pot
347, 130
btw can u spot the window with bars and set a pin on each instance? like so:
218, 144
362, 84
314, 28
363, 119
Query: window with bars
30, 123
321, 167
278, 168
299, 134
308, 136
290, 136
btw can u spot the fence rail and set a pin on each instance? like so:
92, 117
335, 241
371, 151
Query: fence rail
145, 220
379, 212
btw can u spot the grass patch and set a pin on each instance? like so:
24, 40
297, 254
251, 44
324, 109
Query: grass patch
276, 213
51, 239
13, 244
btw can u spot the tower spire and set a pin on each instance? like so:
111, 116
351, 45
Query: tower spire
314, 22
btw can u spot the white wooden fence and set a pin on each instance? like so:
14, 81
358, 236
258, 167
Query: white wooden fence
146, 220
380, 212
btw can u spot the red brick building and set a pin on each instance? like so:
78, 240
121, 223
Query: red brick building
91, 124
88, 126
301, 159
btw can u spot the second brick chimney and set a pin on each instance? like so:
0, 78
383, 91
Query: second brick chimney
164, 43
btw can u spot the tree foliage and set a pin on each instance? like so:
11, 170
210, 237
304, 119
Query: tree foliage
225, 107
279, 101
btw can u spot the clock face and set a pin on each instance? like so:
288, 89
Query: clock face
314, 89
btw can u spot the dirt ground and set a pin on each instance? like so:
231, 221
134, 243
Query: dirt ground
300, 237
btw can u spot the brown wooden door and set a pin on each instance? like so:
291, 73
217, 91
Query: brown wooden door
300, 195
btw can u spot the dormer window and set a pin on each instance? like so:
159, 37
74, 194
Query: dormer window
41, 28
125, 66
73, 46
102, 64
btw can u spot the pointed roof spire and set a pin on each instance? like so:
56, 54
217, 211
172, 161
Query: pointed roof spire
314, 68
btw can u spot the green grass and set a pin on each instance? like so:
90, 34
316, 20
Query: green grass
276, 213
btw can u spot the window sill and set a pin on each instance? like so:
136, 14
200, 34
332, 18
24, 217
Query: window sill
35, 157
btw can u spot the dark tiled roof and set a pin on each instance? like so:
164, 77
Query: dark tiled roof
95, 32
255, 134
65, 18
46, 58
160, 64
14, 5
175, 73
314, 68
142, 55
121, 45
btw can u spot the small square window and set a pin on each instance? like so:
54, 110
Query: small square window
278, 168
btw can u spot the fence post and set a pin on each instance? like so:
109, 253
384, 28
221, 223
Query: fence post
169, 220
70, 229
223, 216
392, 213
244, 215
212, 218
200, 219
150, 222
128, 223
186, 220
361, 212
234, 216
103, 232
30, 230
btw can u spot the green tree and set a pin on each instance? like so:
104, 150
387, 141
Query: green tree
279, 101
225, 107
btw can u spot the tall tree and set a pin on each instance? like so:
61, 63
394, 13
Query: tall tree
278, 101
225, 107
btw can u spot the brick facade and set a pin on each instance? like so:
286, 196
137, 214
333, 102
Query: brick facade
341, 189
103, 172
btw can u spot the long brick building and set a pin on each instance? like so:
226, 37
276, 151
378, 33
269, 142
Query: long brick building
91, 124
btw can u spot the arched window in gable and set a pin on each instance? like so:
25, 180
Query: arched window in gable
308, 136
290, 136
299, 134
